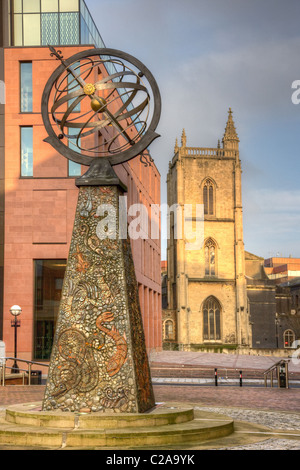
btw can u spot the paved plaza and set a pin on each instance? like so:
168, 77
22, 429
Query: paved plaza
265, 418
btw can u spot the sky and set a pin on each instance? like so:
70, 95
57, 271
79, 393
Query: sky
207, 56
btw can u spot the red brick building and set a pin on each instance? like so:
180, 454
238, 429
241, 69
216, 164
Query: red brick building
38, 195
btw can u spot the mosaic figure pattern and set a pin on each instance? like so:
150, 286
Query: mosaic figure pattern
99, 360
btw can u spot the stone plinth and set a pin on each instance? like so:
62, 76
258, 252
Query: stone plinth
99, 360
165, 425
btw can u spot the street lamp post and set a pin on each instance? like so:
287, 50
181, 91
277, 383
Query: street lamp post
276, 329
15, 323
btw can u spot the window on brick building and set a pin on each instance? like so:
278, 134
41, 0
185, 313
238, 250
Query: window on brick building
26, 151
48, 281
26, 87
74, 169
288, 338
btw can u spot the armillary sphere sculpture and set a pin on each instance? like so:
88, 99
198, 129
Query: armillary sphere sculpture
100, 108
92, 93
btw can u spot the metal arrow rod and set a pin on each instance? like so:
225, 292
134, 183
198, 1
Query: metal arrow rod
82, 83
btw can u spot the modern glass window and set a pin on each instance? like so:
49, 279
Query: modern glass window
32, 30
26, 87
85, 34
50, 29
210, 258
68, 5
74, 168
31, 6
89, 31
56, 22
26, 151
49, 6
211, 319
48, 281
69, 28
18, 30
18, 6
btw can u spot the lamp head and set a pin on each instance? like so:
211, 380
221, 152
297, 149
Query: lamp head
15, 310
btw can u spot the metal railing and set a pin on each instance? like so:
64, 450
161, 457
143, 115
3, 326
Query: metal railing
282, 374
236, 376
217, 376
23, 372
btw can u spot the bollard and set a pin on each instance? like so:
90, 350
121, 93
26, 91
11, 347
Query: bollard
241, 378
216, 377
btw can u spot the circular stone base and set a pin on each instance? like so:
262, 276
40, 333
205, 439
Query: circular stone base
32, 415
165, 424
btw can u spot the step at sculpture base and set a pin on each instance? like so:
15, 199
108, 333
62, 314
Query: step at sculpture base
165, 425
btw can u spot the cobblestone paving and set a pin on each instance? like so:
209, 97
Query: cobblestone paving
258, 398
269, 444
269, 419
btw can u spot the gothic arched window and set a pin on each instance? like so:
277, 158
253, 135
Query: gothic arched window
208, 197
288, 338
169, 329
211, 319
210, 257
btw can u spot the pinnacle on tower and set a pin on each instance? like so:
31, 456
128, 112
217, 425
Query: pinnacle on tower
230, 139
176, 146
183, 139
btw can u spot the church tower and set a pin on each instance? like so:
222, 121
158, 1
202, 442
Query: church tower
207, 300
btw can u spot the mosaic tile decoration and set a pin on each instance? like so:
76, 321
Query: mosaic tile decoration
99, 360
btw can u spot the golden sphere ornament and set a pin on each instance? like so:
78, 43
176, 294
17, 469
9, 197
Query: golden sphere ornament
97, 104
89, 89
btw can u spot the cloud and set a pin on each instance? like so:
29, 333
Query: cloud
207, 56
278, 201
254, 80
269, 218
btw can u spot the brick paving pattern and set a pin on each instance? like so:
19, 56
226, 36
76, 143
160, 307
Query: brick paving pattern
252, 397
13, 394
